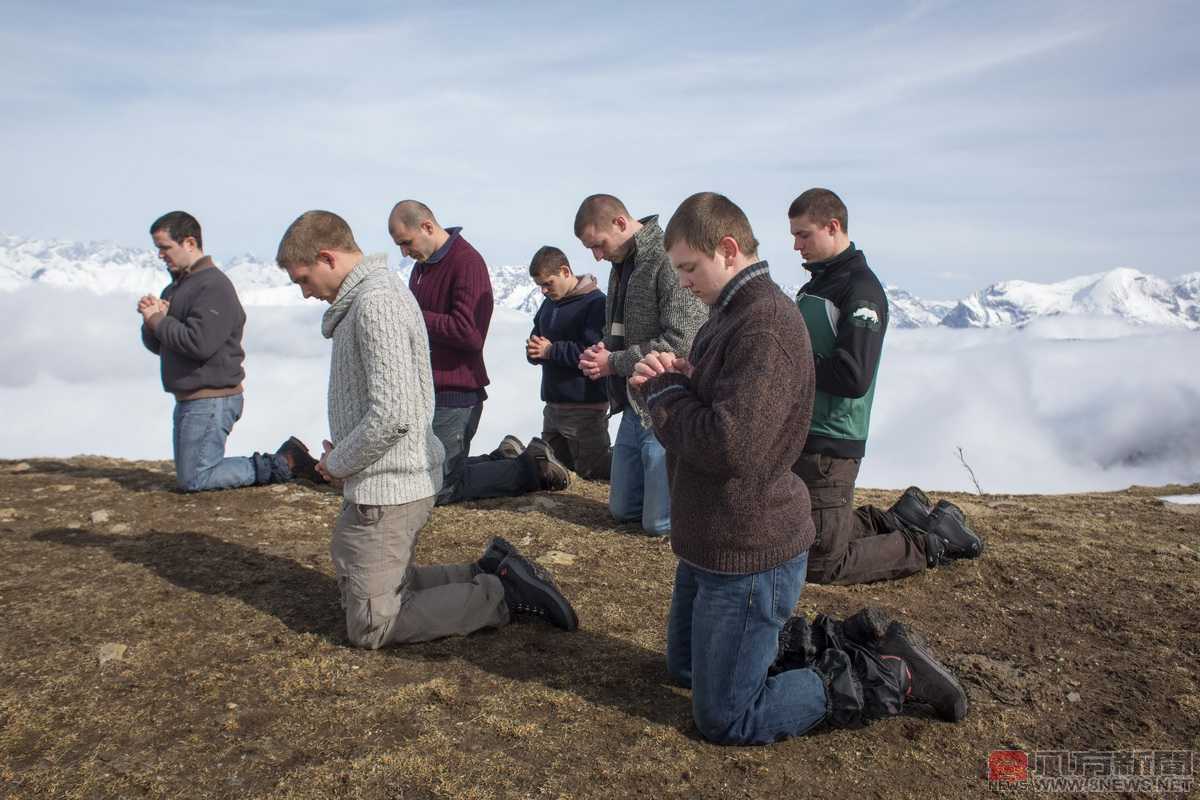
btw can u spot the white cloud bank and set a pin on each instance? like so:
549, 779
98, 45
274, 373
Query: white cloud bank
1060, 405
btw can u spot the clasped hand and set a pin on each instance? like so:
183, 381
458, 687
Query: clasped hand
655, 363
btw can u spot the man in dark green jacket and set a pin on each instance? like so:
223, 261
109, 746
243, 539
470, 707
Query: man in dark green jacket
846, 311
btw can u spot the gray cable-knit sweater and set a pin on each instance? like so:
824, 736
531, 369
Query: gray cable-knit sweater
381, 390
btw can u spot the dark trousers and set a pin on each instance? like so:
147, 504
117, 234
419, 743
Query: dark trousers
853, 545
579, 438
489, 476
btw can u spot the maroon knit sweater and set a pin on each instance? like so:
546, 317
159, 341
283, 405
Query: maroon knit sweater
455, 295
733, 431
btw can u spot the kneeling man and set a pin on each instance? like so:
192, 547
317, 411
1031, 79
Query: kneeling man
388, 460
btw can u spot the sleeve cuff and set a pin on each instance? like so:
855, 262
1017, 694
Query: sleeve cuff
664, 387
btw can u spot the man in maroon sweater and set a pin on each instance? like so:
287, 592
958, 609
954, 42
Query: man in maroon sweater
451, 283
733, 417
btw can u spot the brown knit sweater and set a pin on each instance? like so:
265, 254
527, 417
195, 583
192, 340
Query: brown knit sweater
733, 430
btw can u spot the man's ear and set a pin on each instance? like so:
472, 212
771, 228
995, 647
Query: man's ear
620, 223
193, 245
835, 226
427, 226
326, 257
728, 249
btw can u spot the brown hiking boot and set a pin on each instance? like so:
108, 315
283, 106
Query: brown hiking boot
510, 447
301, 464
552, 474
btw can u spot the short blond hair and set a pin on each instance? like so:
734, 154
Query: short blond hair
312, 232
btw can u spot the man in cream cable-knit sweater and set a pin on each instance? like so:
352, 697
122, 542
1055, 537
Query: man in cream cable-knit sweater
388, 460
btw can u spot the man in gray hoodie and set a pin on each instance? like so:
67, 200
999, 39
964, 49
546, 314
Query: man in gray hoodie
389, 462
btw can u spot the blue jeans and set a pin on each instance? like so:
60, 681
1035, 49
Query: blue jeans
201, 428
723, 636
638, 488
455, 428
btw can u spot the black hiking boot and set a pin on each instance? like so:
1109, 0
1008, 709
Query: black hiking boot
948, 522
497, 549
530, 591
935, 551
509, 447
801, 643
913, 508
299, 461
931, 682
863, 685
552, 474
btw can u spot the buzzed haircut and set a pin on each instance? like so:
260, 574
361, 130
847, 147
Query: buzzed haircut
821, 205
546, 261
411, 213
598, 210
312, 232
704, 219
179, 225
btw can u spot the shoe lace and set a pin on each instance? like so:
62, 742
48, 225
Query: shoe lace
527, 608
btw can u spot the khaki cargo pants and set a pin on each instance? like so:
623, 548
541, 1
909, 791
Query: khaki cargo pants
387, 599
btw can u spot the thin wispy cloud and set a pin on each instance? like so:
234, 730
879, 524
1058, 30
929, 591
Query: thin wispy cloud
987, 142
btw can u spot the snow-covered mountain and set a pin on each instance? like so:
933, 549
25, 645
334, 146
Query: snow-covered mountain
1125, 293
906, 309
104, 268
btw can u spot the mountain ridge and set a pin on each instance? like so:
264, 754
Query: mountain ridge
1124, 293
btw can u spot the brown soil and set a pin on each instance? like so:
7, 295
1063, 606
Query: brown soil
1077, 630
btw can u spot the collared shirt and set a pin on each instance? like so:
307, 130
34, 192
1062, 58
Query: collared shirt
738, 281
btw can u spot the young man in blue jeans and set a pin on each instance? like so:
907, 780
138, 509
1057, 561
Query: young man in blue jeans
646, 310
195, 328
740, 523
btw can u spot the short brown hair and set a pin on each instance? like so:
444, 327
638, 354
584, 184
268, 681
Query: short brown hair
546, 260
821, 205
704, 219
597, 210
312, 232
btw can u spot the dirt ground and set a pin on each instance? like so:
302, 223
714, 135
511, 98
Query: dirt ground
156, 644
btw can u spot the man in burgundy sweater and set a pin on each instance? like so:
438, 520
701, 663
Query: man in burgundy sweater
732, 417
451, 283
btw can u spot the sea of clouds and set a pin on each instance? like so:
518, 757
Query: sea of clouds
1062, 404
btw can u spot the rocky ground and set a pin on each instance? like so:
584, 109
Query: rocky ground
156, 644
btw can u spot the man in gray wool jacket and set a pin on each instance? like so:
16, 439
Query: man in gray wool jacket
389, 462
646, 310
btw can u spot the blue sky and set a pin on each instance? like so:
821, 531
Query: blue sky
972, 142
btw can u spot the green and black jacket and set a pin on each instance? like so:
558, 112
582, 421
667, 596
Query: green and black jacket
846, 311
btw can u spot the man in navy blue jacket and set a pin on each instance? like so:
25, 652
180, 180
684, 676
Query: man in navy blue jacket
570, 320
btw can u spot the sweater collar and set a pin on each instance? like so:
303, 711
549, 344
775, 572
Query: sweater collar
370, 269
440, 253
645, 235
198, 265
830, 263
736, 283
